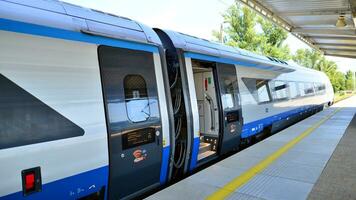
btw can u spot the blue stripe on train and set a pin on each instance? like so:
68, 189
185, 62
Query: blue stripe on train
195, 151
256, 127
27, 28
77, 186
164, 166
72, 187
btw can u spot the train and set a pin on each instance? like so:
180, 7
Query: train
98, 106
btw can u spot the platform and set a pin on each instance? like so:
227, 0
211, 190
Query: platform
287, 165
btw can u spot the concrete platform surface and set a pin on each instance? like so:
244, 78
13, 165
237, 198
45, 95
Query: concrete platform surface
338, 180
284, 166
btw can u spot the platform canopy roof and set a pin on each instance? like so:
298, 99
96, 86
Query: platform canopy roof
314, 22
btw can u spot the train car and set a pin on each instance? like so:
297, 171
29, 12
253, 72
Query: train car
97, 106
272, 101
232, 96
83, 109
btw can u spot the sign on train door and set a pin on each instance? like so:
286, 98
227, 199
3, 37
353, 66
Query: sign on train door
133, 120
232, 113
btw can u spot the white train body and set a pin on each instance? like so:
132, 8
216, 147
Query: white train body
102, 107
69, 82
259, 114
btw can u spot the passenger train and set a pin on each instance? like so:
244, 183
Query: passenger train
97, 106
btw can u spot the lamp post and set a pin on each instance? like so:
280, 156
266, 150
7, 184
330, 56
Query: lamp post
222, 33
221, 36
354, 81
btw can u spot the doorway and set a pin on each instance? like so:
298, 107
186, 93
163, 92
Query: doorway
208, 108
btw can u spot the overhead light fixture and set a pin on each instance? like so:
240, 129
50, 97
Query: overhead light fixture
341, 22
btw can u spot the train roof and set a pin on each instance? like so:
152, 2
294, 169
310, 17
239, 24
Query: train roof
197, 45
57, 14
61, 15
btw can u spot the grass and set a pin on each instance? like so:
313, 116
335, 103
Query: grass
341, 95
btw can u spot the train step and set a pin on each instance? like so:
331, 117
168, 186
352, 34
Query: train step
204, 146
205, 154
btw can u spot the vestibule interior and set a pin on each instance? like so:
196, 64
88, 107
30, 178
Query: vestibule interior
205, 88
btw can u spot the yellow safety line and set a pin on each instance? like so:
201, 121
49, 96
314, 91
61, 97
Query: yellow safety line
237, 182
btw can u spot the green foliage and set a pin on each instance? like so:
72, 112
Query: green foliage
338, 81
308, 58
272, 40
350, 80
274, 35
242, 32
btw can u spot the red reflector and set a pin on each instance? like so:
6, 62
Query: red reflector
30, 181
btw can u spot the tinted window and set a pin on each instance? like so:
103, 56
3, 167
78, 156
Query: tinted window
293, 89
24, 119
279, 89
136, 98
308, 88
258, 88
319, 87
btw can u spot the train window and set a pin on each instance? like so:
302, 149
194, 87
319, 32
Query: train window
279, 90
262, 91
129, 85
259, 89
308, 88
136, 98
319, 87
293, 89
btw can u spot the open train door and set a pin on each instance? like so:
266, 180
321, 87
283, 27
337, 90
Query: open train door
133, 120
232, 120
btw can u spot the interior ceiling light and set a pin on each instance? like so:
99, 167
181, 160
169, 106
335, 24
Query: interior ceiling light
341, 22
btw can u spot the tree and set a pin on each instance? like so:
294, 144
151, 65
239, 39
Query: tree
308, 58
242, 31
338, 81
272, 40
350, 81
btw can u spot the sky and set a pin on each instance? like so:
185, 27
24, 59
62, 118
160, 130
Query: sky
194, 17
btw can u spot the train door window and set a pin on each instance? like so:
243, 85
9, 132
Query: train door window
293, 89
136, 98
301, 88
229, 97
279, 90
259, 89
